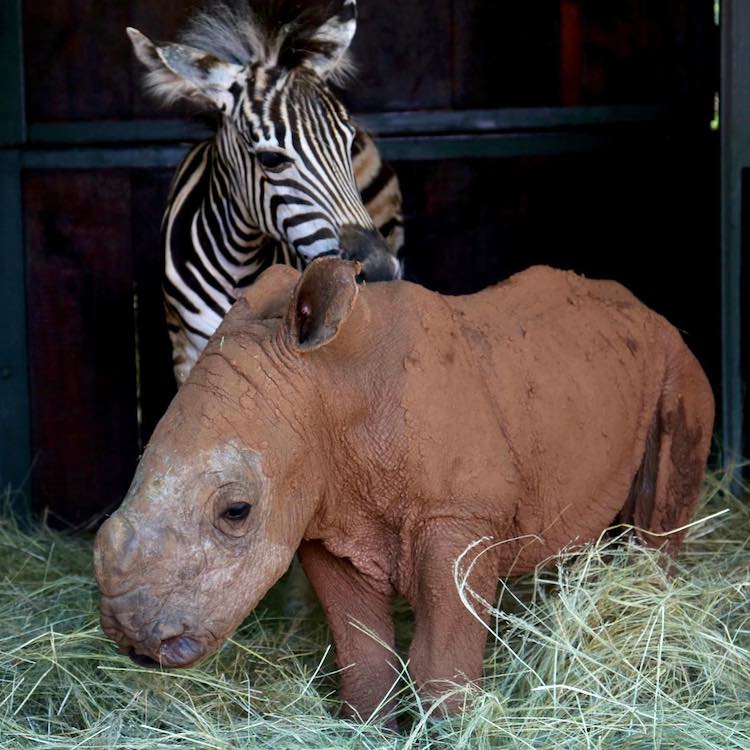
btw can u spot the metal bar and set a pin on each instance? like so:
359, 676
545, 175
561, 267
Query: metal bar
142, 157
500, 120
15, 416
12, 116
735, 138
379, 123
401, 148
497, 146
128, 131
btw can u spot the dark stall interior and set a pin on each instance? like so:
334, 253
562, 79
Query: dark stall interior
570, 132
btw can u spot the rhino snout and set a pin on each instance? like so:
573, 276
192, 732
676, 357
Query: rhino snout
126, 558
167, 642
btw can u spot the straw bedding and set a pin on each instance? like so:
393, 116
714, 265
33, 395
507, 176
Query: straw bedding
602, 650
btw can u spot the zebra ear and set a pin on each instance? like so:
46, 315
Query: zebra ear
322, 302
327, 46
177, 71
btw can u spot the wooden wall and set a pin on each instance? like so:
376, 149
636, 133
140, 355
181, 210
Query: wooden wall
412, 54
647, 215
99, 355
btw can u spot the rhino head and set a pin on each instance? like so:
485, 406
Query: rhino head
234, 473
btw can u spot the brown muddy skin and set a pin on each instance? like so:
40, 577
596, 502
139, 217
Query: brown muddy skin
379, 431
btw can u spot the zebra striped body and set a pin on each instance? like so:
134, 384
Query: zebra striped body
287, 178
203, 277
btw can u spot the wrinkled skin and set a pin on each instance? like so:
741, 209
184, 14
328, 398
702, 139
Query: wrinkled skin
381, 431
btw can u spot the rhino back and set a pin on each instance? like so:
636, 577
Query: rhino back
541, 388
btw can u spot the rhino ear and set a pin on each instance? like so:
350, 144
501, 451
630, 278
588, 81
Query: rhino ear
177, 71
322, 302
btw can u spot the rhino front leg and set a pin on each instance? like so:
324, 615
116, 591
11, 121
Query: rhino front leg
449, 641
352, 601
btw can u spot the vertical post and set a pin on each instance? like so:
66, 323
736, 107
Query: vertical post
15, 437
735, 145
12, 119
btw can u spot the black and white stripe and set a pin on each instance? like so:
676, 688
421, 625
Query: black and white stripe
287, 177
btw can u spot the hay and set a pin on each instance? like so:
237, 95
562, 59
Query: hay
602, 651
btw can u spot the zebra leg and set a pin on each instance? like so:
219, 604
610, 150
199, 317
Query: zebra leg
184, 352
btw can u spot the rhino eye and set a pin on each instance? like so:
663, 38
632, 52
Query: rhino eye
236, 512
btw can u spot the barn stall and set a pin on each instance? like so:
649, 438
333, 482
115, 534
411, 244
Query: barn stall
599, 139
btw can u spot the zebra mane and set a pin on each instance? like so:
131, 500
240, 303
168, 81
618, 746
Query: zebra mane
271, 32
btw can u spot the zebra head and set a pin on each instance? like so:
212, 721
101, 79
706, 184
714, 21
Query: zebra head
283, 150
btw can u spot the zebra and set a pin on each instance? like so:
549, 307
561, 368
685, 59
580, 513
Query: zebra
287, 177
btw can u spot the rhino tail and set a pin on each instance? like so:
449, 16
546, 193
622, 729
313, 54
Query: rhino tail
666, 489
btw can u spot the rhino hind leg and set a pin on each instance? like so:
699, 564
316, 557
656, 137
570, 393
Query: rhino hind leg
666, 489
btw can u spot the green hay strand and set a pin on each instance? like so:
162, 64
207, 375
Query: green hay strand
601, 650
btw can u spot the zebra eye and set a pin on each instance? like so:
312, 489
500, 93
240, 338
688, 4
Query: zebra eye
272, 160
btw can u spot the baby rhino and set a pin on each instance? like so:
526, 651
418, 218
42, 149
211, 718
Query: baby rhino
378, 431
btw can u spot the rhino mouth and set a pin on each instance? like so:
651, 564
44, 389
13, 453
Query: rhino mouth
164, 643
176, 652
142, 660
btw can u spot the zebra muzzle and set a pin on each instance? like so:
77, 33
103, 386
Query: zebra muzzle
369, 248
